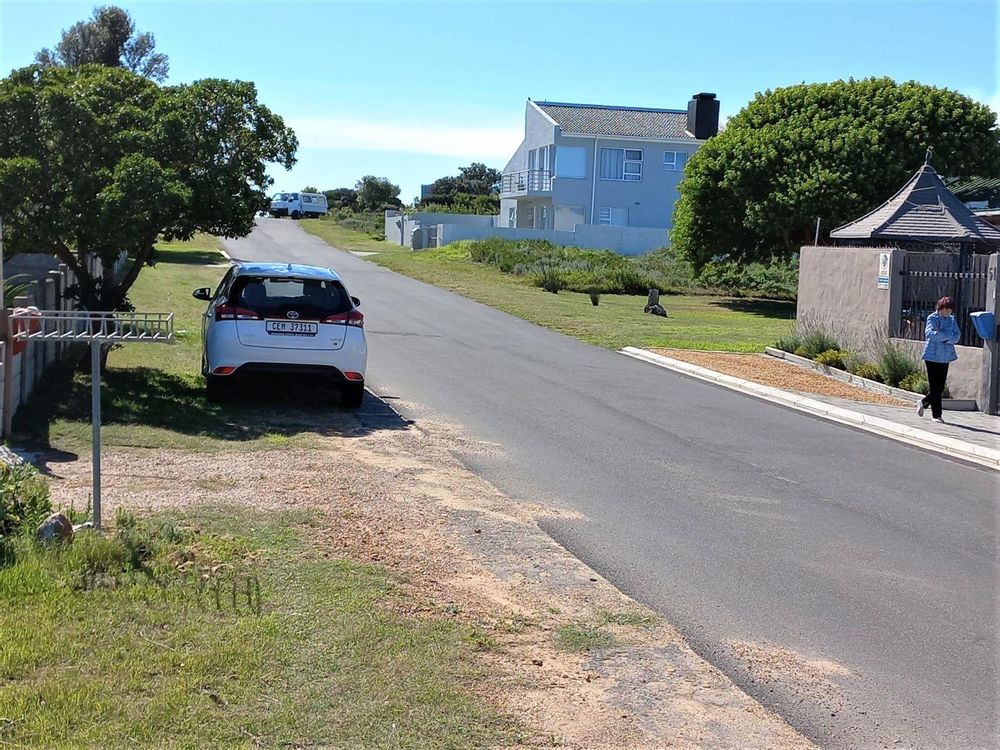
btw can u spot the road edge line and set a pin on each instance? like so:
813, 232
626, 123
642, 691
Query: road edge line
981, 456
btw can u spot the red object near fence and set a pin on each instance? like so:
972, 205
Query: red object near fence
20, 325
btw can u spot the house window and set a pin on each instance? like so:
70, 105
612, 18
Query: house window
621, 164
674, 161
571, 161
512, 217
616, 217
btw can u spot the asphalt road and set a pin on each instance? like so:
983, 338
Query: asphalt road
757, 530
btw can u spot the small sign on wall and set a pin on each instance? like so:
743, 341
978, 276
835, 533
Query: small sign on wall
883, 270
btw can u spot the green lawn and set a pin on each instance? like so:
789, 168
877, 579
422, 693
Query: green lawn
304, 651
153, 394
695, 322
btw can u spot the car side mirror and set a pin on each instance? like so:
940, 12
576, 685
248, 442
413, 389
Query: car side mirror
205, 293
356, 301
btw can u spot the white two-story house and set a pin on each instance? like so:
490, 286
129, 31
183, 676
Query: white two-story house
600, 165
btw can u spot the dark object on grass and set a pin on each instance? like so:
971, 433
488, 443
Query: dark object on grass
595, 299
653, 304
55, 528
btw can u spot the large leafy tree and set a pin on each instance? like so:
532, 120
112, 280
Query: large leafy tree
108, 38
474, 180
342, 198
829, 150
98, 161
375, 193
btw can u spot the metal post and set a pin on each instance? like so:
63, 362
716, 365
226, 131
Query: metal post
95, 406
1, 265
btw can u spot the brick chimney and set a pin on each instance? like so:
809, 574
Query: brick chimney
703, 116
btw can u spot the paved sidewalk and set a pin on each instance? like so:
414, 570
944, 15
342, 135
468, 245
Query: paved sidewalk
969, 436
970, 426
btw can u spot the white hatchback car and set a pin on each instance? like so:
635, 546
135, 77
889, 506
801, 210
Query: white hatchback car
287, 319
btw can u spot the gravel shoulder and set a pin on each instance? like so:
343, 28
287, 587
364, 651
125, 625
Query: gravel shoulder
766, 370
582, 665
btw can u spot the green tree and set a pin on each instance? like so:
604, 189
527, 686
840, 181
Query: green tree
474, 180
309, 190
375, 193
96, 161
342, 198
109, 38
829, 150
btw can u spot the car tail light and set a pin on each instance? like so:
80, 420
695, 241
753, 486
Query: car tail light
357, 376
231, 312
352, 318
223, 370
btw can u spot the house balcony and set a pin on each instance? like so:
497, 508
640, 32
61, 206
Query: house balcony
526, 182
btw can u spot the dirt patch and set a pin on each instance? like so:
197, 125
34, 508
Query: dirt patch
461, 549
776, 373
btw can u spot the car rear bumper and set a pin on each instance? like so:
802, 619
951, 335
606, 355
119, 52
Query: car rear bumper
325, 372
225, 351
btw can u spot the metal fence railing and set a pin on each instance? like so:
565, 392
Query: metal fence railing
84, 325
526, 181
927, 277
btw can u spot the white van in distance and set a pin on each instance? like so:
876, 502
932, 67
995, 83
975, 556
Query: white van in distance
298, 205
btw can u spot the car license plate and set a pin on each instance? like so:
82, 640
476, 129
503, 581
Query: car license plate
291, 328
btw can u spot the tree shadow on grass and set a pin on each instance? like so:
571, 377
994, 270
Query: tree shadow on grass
145, 397
191, 257
765, 308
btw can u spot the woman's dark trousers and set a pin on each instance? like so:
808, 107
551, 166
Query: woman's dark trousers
937, 374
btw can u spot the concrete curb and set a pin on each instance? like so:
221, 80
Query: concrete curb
979, 455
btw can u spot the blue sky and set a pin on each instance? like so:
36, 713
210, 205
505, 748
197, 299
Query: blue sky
413, 90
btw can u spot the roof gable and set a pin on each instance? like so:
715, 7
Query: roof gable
923, 210
626, 122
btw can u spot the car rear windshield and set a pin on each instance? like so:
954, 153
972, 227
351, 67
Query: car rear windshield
278, 295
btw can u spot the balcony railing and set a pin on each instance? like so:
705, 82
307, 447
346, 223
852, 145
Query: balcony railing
526, 181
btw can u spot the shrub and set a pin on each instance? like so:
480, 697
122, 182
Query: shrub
895, 364
24, 499
836, 358
550, 280
915, 382
790, 344
816, 341
868, 370
778, 279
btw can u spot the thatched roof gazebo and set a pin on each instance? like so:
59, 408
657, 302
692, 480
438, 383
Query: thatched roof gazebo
924, 214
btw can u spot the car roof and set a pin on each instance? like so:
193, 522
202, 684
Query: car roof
289, 270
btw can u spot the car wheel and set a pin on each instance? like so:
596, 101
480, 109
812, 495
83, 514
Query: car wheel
352, 395
295, 215
216, 390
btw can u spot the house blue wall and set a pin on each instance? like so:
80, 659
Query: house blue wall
649, 201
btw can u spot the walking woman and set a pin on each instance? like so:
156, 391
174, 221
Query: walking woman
942, 334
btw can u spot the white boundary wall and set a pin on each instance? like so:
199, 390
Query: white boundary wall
419, 231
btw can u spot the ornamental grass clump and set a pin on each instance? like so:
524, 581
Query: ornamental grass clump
895, 364
815, 341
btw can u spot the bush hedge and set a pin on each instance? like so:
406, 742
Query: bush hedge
608, 272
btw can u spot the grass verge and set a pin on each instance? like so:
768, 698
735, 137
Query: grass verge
695, 322
582, 637
221, 629
153, 395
